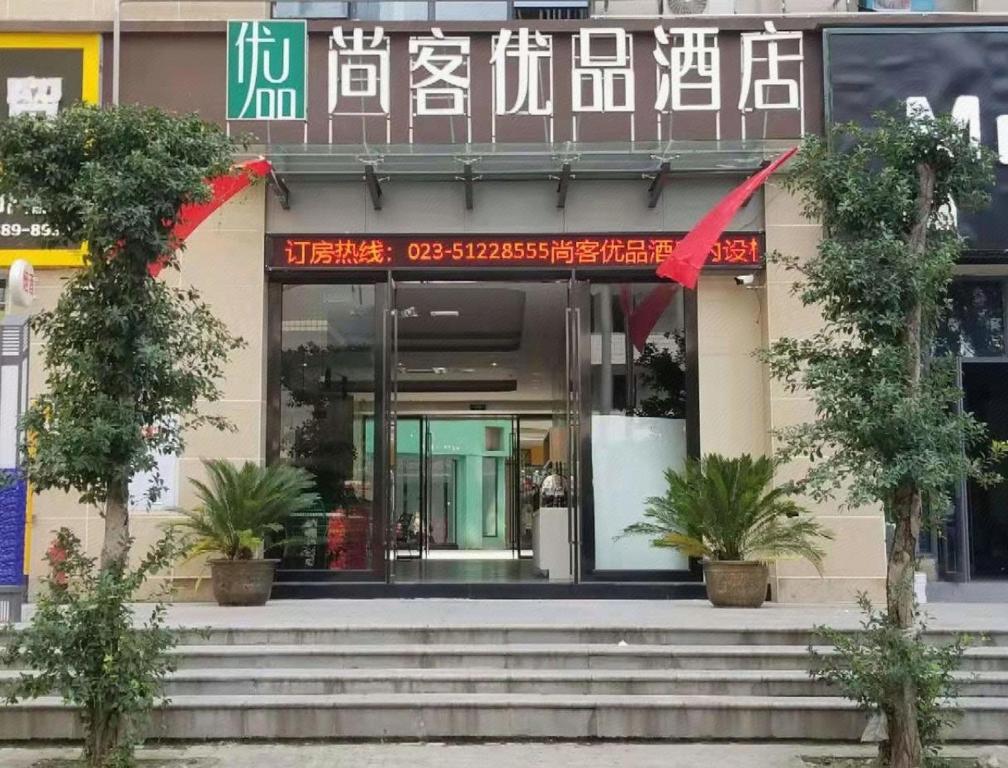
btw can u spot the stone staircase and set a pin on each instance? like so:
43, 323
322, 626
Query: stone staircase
457, 682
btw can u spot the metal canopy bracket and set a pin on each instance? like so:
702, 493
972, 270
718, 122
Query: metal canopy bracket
748, 200
467, 179
373, 186
562, 184
658, 182
280, 189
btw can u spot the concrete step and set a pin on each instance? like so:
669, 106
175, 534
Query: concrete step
513, 716
525, 656
317, 682
531, 634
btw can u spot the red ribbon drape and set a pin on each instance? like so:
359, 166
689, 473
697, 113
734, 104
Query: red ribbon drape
691, 253
224, 188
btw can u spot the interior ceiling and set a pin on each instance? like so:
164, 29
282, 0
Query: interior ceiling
506, 340
497, 346
441, 318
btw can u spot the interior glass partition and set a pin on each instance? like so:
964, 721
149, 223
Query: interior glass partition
638, 418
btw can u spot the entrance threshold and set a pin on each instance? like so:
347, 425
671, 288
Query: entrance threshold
600, 590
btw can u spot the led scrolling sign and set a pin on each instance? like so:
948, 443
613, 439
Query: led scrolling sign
595, 251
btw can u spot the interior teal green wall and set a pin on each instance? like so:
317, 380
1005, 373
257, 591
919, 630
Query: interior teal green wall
466, 440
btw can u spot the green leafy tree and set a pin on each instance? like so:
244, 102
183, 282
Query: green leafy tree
127, 357
85, 644
887, 427
127, 360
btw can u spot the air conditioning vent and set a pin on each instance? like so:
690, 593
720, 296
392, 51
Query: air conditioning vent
551, 9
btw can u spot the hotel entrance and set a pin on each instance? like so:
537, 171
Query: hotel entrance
479, 431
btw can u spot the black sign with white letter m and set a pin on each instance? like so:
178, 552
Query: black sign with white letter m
963, 70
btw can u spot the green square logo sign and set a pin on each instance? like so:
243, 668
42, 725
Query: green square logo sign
266, 70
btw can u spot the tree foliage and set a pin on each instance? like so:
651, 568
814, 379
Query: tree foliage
888, 426
128, 357
875, 431
873, 665
84, 644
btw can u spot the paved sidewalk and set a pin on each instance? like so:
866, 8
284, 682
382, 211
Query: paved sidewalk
686, 614
517, 755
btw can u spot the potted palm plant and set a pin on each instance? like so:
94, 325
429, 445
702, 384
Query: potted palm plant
240, 507
725, 511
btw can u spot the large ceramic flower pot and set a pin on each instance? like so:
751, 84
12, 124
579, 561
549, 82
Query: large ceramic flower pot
735, 584
242, 582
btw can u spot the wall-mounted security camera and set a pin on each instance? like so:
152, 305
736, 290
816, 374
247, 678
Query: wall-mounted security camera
745, 281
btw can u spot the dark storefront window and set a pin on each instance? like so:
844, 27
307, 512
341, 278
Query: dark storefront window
327, 394
974, 541
974, 323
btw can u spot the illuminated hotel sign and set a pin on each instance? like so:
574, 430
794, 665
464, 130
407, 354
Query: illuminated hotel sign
594, 251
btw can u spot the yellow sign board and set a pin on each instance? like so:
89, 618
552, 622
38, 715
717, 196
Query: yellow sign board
41, 74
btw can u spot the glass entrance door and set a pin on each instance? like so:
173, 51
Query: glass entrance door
468, 365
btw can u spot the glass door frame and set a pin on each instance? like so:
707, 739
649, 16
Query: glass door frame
578, 297
577, 374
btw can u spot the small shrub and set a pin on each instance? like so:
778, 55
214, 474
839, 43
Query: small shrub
84, 644
873, 665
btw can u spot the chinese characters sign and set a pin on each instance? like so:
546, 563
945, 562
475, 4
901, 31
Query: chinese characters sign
266, 77
41, 74
622, 251
521, 84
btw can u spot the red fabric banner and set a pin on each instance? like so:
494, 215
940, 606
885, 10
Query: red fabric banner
224, 188
688, 258
642, 319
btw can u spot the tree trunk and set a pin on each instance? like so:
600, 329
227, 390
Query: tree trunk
100, 739
904, 748
115, 547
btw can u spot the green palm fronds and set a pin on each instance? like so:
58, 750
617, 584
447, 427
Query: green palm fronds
240, 506
723, 508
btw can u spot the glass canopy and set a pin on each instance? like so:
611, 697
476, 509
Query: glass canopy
516, 161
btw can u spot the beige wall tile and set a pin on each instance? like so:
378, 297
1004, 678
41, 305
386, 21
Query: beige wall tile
782, 208
57, 504
218, 10
55, 10
194, 589
801, 241
732, 397
246, 439
732, 417
857, 549
220, 259
728, 317
789, 316
828, 590
787, 411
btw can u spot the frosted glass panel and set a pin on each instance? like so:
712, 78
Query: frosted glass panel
629, 457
